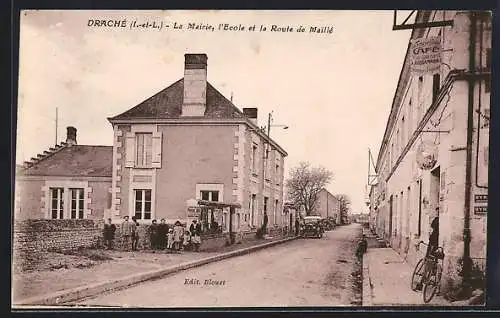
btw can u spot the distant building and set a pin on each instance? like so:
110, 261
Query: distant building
327, 205
187, 143
449, 110
68, 181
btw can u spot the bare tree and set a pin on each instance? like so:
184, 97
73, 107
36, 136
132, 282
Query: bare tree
304, 184
345, 206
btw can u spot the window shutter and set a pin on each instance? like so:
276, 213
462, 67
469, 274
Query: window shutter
129, 149
156, 160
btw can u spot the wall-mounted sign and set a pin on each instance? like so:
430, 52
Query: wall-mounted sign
480, 198
426, 55
426, 155
480, 209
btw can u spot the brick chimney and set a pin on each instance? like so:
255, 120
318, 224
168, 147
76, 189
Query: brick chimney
251, 113
71, 136
195, 85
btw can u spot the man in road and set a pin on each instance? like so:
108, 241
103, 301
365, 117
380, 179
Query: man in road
109, 234
135, 233
195, 230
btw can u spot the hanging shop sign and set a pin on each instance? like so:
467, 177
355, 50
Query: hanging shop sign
194, 212
426, 155
426, 55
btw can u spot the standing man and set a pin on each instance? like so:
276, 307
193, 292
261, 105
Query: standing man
195, 230
135, 233
109, 234
264, 225
126, 232
162, 234
153, 235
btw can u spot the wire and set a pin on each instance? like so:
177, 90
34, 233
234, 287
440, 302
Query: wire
435, 124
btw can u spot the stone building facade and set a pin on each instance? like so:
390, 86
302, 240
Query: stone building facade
188, 142
449, 110
68, 181
327, 205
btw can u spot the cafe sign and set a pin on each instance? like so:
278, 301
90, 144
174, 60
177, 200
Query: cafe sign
426, 55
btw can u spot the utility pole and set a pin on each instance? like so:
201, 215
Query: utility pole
269, 118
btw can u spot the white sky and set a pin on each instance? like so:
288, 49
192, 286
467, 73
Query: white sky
334, 91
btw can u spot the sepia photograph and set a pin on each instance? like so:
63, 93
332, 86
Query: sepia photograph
251, 158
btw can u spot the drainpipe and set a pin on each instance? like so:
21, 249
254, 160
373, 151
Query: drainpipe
467, 262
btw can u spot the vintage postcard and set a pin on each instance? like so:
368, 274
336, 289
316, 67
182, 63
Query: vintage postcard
217, 158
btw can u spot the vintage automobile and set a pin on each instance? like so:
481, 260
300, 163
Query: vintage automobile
312, 227
328, 223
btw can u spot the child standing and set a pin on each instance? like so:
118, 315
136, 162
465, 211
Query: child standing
170, 239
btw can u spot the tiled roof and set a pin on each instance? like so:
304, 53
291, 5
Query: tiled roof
168, 104
74, 161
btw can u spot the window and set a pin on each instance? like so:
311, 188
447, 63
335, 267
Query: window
143, 204
254, 159
403, 129
410, 117
277, 174
420, 97
76, 203
143, 149
266, 199
436, 79
419, 229
210, 195
57, 203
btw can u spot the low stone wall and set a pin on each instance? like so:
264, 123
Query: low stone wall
30, 237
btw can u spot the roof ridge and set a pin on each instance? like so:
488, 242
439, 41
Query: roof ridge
147, 99
42, 156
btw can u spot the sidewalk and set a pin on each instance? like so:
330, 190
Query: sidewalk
386, 280
119, 270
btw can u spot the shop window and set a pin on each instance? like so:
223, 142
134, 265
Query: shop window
143, 204
77, 203
143, 149
57, 203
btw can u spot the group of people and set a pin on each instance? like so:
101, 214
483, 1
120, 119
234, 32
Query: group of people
161, 236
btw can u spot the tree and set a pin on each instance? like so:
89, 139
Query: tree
304, 184
345, 206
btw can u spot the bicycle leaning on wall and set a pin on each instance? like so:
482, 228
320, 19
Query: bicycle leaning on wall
427, 273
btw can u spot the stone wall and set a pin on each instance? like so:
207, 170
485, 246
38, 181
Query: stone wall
30, 237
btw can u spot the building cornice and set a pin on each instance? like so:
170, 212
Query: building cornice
62, 177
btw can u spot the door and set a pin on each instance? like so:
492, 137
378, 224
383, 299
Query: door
391, 202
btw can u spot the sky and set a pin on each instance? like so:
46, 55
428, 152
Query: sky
333, 90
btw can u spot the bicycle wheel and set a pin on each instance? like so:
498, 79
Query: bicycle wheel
431, 284
416, 278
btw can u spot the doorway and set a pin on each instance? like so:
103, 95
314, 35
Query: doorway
435, 194
391, 203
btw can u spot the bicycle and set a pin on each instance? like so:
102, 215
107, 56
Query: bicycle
428, 273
